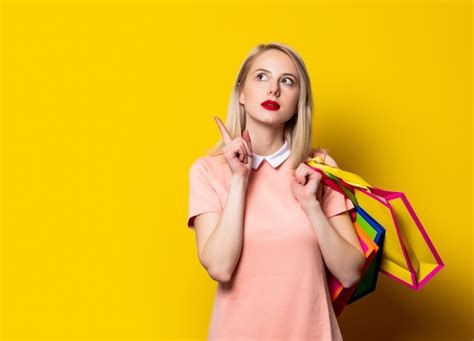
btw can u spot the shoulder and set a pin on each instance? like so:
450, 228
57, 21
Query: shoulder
213, 166
209, 161
315, 152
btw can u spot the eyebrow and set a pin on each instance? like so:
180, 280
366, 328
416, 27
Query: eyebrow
286, 73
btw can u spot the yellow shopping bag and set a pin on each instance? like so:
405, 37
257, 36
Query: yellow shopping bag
408, 255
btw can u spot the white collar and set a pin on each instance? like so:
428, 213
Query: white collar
275, 159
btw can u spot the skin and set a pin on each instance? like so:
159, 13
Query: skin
280, 83
265, 127
264, 136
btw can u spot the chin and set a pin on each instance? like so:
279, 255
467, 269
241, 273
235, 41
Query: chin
276, 121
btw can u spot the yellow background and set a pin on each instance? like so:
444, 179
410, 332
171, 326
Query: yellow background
105, 105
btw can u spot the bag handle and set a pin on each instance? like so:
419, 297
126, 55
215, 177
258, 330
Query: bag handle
333, 182
349, 194
351, 178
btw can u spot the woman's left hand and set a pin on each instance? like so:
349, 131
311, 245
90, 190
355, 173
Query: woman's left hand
305, 185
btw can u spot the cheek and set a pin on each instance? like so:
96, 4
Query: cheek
294, 100
253, 96
295, 96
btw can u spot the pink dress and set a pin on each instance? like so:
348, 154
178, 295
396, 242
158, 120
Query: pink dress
278, 290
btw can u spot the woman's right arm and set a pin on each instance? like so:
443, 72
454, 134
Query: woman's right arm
221, 244
220, 235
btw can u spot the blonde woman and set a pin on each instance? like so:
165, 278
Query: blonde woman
266, 228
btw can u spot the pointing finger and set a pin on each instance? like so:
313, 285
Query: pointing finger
224, 133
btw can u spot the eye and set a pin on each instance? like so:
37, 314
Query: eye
262, 74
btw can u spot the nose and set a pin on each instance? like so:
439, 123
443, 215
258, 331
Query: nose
274, 88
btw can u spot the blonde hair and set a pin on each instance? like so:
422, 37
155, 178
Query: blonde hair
297, 129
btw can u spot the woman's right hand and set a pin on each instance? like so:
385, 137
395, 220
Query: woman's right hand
238, 152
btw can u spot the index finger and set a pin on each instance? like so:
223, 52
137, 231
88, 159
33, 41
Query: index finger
225, 134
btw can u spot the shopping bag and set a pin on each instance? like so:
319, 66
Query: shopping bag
408, 254
340, 295
372, 228
370, 235
376, 232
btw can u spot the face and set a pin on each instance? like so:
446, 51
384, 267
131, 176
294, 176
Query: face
272, 76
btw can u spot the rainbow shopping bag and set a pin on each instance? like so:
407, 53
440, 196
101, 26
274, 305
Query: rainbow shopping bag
340, 295
408, 254
370, 235
376, 232
371, 227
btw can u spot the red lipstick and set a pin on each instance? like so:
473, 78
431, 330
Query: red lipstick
270, 105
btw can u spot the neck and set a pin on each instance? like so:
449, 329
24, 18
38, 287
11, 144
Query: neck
266, 139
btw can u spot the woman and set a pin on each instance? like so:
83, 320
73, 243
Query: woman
265, 228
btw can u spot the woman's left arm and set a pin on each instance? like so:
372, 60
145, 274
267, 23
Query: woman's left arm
338, 243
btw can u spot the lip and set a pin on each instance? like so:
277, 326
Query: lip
270, 105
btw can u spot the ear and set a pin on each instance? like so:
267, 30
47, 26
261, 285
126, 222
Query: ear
241, 97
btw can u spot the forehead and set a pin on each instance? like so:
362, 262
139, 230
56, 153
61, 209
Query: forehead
275, 61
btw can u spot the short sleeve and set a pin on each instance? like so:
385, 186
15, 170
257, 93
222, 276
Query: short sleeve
334, 202
202, 195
